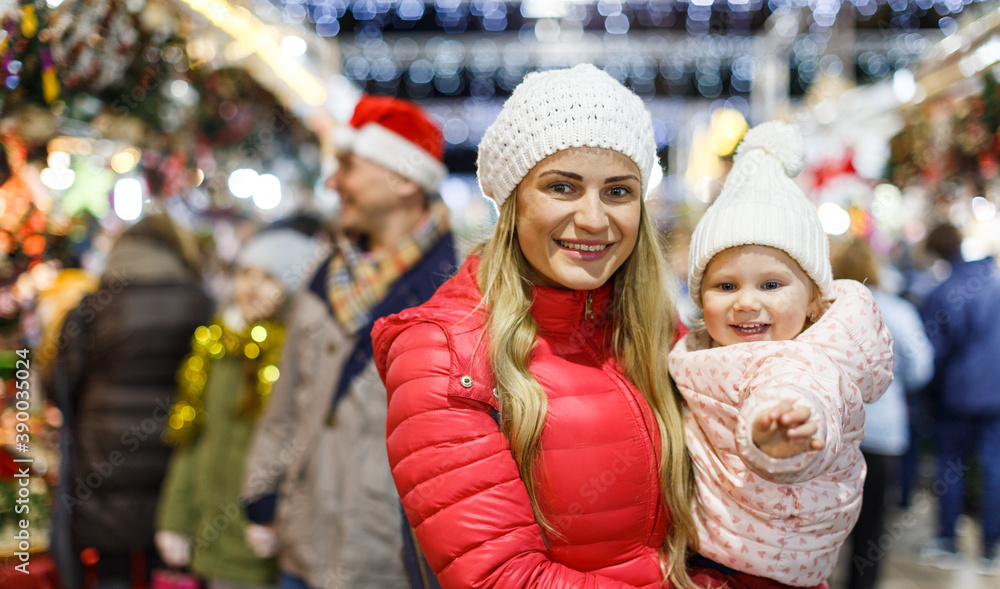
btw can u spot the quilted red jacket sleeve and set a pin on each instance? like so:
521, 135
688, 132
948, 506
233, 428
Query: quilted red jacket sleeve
458, 480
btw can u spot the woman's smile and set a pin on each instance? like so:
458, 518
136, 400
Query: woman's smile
578, 217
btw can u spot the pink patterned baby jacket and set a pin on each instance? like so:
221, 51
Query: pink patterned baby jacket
783, 519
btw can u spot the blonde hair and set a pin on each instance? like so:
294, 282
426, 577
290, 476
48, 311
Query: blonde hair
855, 260
643, 332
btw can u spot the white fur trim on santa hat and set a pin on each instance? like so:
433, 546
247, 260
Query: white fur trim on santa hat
393, 152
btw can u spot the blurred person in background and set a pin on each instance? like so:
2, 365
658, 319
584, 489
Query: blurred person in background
914, 284
317, 478
114, 381
962, 319
886, 420
224, 385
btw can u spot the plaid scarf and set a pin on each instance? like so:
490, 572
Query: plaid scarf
358, 280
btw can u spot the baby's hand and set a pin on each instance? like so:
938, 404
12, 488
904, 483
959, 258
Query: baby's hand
784, 431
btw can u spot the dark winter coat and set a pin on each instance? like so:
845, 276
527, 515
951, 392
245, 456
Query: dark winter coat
320, 443
115, 382
962, 320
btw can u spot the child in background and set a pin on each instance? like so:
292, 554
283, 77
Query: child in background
224, 384
774, 382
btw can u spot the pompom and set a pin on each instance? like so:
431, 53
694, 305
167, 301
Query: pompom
781, 141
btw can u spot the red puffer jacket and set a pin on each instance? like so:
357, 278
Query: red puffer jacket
454, 470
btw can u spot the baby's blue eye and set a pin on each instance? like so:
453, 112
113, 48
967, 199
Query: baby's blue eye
771, 285
727, 286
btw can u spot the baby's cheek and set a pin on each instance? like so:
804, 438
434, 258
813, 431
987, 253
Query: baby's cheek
275, 293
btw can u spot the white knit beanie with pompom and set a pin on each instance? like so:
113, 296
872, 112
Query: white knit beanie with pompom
760, 204
554, 110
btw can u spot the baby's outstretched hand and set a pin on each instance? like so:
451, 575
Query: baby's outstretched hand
785, 431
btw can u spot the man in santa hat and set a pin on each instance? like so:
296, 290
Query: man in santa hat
317, 480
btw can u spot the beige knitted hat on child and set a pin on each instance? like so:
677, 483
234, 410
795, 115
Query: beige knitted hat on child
554, 110
760, 204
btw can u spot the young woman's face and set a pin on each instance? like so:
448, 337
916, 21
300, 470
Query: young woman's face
578, 214
756, 293
257, 293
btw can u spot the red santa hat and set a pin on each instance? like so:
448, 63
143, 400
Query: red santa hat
399, 136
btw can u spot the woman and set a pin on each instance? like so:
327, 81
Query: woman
533, 433
115, 382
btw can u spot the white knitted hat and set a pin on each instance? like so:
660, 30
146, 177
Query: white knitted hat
285, 254
554, 110
760, 204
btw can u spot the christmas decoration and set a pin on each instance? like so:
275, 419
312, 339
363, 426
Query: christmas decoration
22, 222
23, 48
950, 140
258, 346
93, 42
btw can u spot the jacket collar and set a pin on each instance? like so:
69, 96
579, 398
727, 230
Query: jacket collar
457, 303
555, 310
559, 311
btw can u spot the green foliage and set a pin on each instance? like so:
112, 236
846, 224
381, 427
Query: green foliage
991, 100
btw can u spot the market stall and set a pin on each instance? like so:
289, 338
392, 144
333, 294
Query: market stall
111, 110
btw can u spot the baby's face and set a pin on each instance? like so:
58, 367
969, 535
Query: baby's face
756, 293
258, 294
